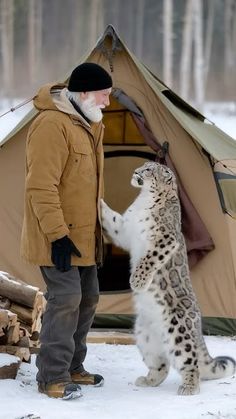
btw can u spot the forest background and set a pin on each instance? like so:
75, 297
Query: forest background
189, 44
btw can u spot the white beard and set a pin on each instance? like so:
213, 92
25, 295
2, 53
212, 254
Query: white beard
88, 107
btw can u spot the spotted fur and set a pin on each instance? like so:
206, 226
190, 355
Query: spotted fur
168, 323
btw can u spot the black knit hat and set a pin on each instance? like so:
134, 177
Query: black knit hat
89, 77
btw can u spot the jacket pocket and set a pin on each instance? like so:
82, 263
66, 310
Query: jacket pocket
79, 160
81, 148
83, 157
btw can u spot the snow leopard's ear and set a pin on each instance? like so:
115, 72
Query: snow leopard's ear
166, 174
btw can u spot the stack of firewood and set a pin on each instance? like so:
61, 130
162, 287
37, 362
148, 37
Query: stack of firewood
21, 308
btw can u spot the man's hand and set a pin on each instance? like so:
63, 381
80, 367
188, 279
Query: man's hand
62, 249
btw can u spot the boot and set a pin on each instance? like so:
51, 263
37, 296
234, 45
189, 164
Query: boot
85, 378
63, 390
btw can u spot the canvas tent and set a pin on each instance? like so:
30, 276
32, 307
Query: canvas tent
143, 116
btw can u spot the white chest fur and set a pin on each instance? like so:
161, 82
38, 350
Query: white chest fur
136, 222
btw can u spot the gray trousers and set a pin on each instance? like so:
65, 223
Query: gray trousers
72, 298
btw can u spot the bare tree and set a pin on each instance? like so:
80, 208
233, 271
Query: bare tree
234, 35
114, 12
198, 55
96, 19
79, 32
35, 38
139, 24
7, 44
209, 33
228, 32
186, 52
168, 42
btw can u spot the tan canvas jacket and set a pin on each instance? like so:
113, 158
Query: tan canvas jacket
64, 180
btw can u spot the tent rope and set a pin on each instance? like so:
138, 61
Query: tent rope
17, 106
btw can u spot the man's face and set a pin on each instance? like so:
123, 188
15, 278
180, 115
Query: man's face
91, 103
101, 97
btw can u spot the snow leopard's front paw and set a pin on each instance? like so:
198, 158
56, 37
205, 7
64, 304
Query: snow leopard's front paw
105, 210
140, 281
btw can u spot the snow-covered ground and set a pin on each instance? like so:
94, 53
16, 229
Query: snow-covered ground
119, 398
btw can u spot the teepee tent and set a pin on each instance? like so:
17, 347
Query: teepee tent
145, 120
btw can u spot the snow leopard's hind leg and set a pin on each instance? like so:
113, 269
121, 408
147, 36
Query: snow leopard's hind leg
153, 353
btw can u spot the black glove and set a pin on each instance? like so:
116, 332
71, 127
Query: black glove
62, 250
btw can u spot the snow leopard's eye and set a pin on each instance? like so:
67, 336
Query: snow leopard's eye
148, 172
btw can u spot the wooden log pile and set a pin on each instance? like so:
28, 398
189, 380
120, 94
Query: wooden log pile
21, 309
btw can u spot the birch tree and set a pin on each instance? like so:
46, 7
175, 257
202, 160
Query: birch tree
168, 42
234, 35
198, 56
7, 44
228, 32
35, 39
96, 19
186, 52
79, 31
209, 33
139, 28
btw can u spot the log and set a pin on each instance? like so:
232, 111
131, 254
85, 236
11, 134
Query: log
7, 319
4, 320
24, 342
3, 339
25, 314
36, 326
22, 353
24, 332
18, 292
10, 369
34, 338
12, 318
4, 303
13, 334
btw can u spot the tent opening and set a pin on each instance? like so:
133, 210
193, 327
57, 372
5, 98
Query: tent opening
124, 149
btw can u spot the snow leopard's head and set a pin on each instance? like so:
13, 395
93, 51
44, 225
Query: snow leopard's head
153, 174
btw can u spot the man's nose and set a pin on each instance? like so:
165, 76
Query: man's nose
107, 101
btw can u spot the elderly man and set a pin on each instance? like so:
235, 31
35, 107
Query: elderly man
61, 230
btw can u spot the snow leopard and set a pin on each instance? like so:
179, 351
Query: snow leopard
168, 327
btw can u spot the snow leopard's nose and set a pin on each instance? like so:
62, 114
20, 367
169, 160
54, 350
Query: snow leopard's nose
139, 178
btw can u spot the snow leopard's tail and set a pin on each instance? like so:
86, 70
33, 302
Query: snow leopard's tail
219, 367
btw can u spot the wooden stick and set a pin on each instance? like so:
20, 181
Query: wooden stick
25, 314
13, 334
18, 292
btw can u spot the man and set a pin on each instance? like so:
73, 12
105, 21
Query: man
61, 230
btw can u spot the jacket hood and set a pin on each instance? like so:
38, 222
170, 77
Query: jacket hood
53, 97
44, 100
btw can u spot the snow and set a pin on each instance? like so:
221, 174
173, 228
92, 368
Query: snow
9, 121
119, 397
6, 360
223, 115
